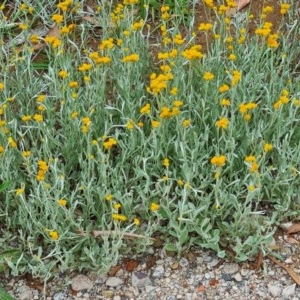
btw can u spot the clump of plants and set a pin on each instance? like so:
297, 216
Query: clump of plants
115, 129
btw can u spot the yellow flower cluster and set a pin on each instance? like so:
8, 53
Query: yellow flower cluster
236, 77
284, 7
283, 99
218, 160
119, 217
222, 123
53, 41
84, 67
86, 124
146, 109
245, 109
107, 44
158, 82
253, 165
64, 5
178, 39
167, 112
265, 30
42, 169
224, 88
193, 53
57, 18
165, 12
109, 143
209, 3
130, 2
166, 55
137, 25
205, 26
131, 58
66, 29
117, 13
97, 59
12, 143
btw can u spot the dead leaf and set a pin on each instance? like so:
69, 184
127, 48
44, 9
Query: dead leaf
291, 240
54, 31
151, 260
294, 228
290, 271
240, 5
259, 261
128, 235
213, 282
201, 288
113, 270
130, 264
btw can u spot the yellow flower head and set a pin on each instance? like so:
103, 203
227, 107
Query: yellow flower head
108, 197
223, 88
222, 123
208, 76
54, 235
62, 202
218, 160
268, 147
166, 162
109, 143
154, 206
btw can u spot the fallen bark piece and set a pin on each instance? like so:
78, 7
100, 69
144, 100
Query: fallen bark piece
240, 4
290, 271
294, 228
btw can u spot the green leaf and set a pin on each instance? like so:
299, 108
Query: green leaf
4, 295
171, 247
4, 186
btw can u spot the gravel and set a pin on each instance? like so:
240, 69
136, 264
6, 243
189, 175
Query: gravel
198, 274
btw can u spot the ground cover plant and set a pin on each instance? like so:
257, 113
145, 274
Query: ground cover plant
124, 122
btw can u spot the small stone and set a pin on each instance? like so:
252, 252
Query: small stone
238, 277
288, 261
213, 263
158, 271
26, 295
183, 262
22, 288
207, 275
36, 297
244, 272
274, 290
107, 294
285, 226
227, 277
289, 291
120, 273
160, 262
59, 296
231, 268
117, 297
140, 279
81, 282
114, 281
174, 265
